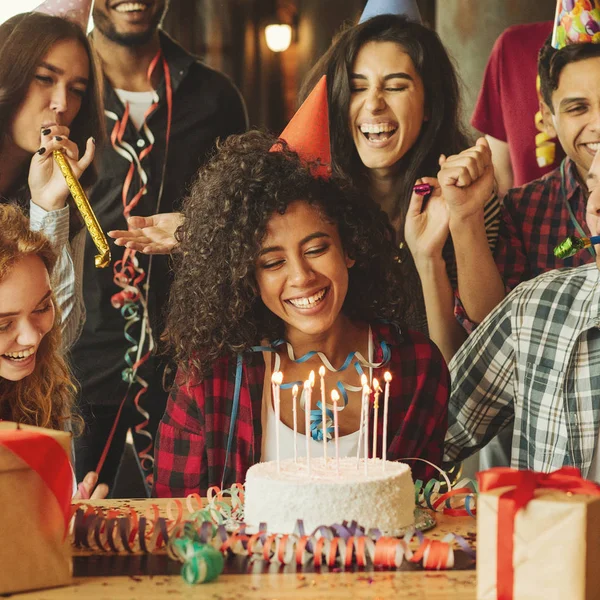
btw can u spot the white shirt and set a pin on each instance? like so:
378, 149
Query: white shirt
139, 103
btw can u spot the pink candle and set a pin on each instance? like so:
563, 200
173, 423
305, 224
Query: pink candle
386, 401
363, 382
376, 389
366, 394
307, 395
295, 416
335, 398
276, 380
323, 413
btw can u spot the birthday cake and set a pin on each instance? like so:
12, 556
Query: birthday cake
383, 499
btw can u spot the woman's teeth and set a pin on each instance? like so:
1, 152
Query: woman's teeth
17, 356
131, 7
378, 131
310, 301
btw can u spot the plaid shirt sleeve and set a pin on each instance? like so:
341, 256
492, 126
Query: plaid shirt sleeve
481, 398
511, 255
418, 404
180, 458
491, 216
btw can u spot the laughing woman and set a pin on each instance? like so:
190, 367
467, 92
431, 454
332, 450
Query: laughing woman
394, 107
35, 383
269, 252
49, 100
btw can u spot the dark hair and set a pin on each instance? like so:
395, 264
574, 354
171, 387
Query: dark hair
443, 133
24, 41
215, 307
551, 62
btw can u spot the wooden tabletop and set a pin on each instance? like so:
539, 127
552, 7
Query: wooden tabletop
446, 585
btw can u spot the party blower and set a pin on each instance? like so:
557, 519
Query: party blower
572, 245
102, 259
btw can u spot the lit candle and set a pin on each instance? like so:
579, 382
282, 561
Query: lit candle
386, 401
323, 413
276, 380
366, 394
294, 405
335, 398
363, 382
307, 394
376, 389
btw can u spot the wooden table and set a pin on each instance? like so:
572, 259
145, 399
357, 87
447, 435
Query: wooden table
446, 585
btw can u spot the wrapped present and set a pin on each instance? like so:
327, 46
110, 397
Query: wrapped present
538, 535
36, 485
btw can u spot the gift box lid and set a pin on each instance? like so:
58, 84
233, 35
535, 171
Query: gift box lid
10, 462
548, 495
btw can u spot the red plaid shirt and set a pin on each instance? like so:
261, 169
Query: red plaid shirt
192, 437
535, 219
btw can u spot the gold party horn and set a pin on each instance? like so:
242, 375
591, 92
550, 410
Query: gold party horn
83, 204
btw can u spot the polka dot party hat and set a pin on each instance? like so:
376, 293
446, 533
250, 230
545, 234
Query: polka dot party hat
77, 11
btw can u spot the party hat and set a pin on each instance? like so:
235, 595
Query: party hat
77, 11
407, 8
576, 22
308, 131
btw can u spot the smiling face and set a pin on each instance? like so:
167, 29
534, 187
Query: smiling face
26, 316
302, 271
129, 23
387, 104
55, 94
576, 107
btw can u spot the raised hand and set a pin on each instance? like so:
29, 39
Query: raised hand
150, 235
46, 182
467, 180
427, 223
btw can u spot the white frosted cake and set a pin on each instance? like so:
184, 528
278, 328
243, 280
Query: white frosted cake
382, 499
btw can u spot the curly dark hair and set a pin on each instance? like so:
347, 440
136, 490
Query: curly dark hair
215, 307
551, 63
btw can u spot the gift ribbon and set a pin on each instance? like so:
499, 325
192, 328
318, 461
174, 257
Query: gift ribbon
523, 485
48, 459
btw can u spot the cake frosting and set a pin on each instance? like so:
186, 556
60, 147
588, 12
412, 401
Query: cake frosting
384, 499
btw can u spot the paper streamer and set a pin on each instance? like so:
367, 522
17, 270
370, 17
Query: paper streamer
218, 527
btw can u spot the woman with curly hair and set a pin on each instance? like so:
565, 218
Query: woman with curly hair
50, 100
268, 252
35, 383
394, 109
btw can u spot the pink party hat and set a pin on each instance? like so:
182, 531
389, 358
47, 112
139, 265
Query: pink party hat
407, 8
77, 11
576, 22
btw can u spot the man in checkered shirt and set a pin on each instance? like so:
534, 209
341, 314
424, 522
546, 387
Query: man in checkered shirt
534, 363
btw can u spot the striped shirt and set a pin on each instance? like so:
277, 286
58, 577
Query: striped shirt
67, 275
534, 361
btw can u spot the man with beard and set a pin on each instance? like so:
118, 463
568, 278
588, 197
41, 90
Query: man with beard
164, 112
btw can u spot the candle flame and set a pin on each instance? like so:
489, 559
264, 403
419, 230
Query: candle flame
295, 390
311, 378
376, 385
277, 378
363, 379
321, 371
335, 397
387, 376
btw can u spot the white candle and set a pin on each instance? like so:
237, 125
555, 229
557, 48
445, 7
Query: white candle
276, 380
295, 416
386, 401
363, 382
307, 402
376, 389
335, 398
323, 412
366, 394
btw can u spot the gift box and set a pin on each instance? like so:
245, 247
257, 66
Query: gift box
35, 492
538, 536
